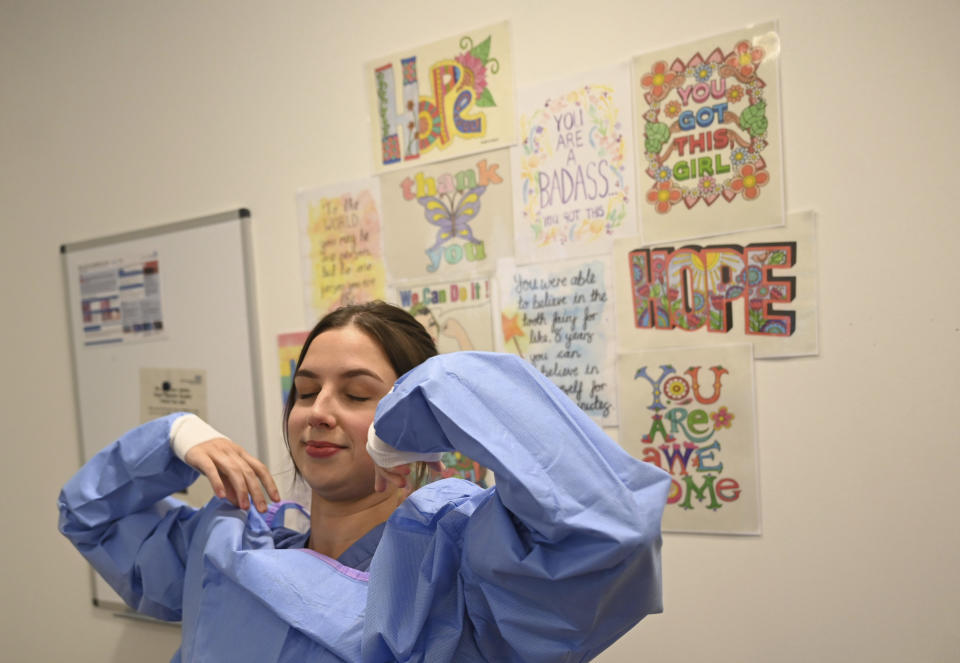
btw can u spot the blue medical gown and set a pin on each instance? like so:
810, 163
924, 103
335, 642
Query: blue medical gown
554, 563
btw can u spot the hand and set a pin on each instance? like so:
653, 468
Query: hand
233, 473
397, 476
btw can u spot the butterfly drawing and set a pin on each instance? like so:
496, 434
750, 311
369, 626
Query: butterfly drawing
453, 219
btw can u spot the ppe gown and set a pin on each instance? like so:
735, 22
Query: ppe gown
554, 563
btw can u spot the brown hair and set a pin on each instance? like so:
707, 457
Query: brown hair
403, 340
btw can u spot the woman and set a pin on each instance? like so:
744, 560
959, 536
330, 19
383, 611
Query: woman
554, 563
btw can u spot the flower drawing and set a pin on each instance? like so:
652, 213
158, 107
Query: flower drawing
749, 182
739, 156
672, 109
734, 93
663, 196
745, 59
658, 79
722, 418
475, 69
676, 388
707, 186
703, 72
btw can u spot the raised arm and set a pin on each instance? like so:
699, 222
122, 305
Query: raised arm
117, 513
563, 556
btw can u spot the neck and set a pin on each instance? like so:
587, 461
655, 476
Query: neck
335, 526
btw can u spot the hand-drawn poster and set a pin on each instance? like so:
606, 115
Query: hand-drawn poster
575, 181
448, 221
758, 287
289, 345
690, 412
708, 122
558, 316
459, 316
120, 300
442, 100
340, 246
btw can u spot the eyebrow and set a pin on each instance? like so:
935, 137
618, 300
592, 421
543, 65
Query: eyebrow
352, 373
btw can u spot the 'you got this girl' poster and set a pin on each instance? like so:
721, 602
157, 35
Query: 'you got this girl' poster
708, 122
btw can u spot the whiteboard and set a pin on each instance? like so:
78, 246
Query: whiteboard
176, 298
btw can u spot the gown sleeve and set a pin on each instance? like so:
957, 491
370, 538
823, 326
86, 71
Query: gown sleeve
562, 556
117, 512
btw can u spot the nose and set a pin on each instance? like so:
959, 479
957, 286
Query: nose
321, 412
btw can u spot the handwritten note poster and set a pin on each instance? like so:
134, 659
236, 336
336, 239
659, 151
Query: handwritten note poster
758, 287
442, 100
690, 412
708, 121
458, 315
450, 220
559, 317
574, 167
340, 246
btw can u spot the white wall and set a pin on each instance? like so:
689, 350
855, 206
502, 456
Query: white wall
118, 115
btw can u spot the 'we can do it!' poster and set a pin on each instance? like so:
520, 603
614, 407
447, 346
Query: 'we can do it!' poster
708, 124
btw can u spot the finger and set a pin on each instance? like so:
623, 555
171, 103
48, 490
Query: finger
435, 465
379, 484
229, 468
209, 469
263, 474
254, 488
399, 478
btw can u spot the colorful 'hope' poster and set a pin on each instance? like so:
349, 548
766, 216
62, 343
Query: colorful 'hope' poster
690, 412
559, 318
574, 167
449, 220
442, 100
708, 121
758, 287
340, 246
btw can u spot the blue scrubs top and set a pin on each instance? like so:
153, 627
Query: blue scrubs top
554, 563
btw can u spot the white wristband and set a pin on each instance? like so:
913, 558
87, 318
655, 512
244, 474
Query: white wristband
188, 431
386, 456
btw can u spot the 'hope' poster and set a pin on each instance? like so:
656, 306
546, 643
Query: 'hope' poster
442, 100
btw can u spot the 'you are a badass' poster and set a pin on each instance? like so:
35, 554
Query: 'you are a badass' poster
573, 168
690, 412
559, 317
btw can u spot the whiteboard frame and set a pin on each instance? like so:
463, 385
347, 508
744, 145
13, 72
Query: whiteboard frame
242, 215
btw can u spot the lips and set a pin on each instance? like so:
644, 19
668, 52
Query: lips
322, 449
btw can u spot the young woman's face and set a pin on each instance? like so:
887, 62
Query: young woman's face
342, 378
